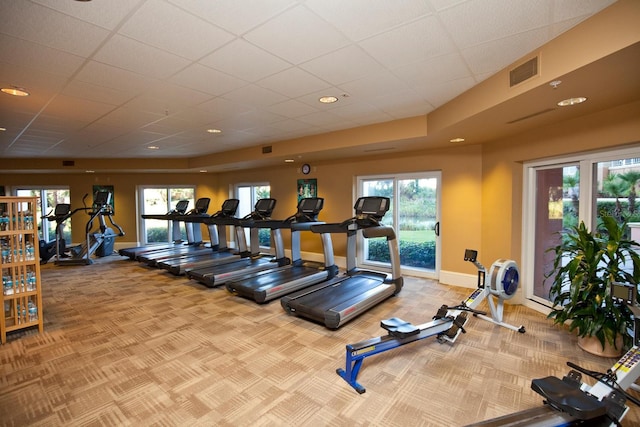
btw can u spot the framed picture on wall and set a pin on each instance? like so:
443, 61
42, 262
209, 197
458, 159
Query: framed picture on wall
307, 188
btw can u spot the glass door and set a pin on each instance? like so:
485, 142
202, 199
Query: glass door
557, 206
414, 214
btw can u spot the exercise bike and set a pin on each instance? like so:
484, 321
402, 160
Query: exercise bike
569, 401
57, 247
447, 324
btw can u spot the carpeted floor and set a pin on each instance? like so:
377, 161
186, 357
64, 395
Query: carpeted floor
127, 345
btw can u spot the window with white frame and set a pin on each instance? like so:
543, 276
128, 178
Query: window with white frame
414, 215
560, 193
158, 201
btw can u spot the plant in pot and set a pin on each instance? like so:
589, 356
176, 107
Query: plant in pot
585, 265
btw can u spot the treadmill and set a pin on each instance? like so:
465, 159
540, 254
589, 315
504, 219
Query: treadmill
176, 235
219, 252
218, 275
342, 298
271, 284
194, 235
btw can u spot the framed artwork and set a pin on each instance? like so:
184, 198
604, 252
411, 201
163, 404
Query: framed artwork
307, 188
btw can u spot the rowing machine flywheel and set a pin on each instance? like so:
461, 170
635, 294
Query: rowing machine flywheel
504, 278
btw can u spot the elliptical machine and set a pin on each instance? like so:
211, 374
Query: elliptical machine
99, 241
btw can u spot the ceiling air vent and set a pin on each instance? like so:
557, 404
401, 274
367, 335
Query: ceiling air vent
523, 72
266, 150
68, 163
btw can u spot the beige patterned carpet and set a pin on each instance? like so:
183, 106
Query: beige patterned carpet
126, 345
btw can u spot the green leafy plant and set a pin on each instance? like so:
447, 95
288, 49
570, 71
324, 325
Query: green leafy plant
584, 267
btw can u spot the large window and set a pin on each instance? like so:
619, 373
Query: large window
414, 214
248, 195
158, 201
48, 198
564, 192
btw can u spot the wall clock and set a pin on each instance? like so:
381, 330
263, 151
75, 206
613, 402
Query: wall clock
306, 168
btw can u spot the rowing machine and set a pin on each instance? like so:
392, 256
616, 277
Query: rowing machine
446, 325
569, 401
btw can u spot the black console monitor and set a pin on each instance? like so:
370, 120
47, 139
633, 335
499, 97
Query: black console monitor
264, 207
374, 206
624, 292
229, 207
202, 205
62, 209
311, 205
470, 255
181, 206
102, 198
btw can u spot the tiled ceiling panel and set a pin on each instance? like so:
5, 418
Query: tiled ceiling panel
114, 71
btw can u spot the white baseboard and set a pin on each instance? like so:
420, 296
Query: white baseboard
458, 279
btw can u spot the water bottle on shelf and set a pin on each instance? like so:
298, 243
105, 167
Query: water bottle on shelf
6, 253
33, 312
7, 285
30, 251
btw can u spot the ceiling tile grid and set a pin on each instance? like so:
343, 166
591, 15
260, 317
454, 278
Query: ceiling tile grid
253, 68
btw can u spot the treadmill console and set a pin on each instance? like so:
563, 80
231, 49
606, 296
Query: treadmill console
310, 207
371, 207
264, 208
229, 207
181, 207
202, 205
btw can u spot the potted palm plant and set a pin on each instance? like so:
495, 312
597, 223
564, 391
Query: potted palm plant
585, 265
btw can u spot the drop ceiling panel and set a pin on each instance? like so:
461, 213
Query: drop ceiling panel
32, 55
245, 61
291, 108
294, 82
252, 68
129, 54
482, 58
100, 74
415, 41
506, 19
235, 16
106, 14
39, 24
301, 41
206, 80
353, 61
359, 19
255, 95
165, 26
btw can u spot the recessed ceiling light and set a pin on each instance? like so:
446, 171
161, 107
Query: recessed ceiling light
203, 171
153, 147
214, 131
90, 171
328, 99
572, 101
3, 129
15, 91
289, 160
456, 140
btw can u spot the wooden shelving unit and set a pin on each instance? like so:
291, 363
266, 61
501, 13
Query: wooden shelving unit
21, 297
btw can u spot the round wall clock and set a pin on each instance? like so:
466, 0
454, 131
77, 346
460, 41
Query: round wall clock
306, 168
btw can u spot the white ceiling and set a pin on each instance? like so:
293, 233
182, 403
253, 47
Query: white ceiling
109, 78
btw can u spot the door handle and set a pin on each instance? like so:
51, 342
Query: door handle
436, 228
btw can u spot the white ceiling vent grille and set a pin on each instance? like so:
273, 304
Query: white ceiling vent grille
523, 72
